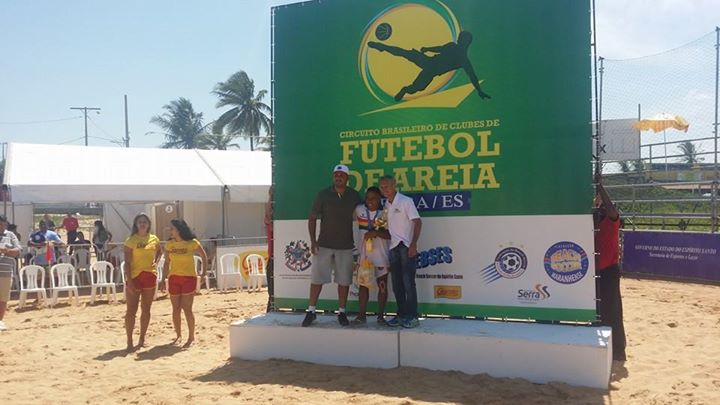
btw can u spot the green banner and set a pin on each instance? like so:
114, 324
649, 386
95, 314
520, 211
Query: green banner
478, 107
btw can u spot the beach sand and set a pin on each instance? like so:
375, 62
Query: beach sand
71, 355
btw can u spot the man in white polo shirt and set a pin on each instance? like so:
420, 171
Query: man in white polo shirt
404, 225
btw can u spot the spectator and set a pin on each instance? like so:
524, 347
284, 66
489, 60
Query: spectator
49, 222
13, 228
80, 243
70, 223
9, 250
607, 264
45, 241
269, 234
101, 237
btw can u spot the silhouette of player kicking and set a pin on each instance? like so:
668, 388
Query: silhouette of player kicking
451, 56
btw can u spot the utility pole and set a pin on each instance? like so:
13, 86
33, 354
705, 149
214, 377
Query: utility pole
127, 130
85, 110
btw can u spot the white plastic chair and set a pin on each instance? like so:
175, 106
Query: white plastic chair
198, 271
29, 283
229, 270
159, 269
102, 276
81, 260
64, 259
122, 274
256, 264
65, 274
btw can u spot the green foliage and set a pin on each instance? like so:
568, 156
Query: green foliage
690, 153
248, 115
182, 125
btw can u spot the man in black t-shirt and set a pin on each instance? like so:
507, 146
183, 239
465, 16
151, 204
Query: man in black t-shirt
333, 250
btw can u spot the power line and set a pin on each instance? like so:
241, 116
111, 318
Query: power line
40, 122
71, 141
85, 110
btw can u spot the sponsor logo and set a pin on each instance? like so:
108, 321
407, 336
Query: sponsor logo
566, 262
297, 255
452, 292
510, 262
539, 293
412, 52
435, 256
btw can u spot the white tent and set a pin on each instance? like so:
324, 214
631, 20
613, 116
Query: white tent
54, 174
223, 183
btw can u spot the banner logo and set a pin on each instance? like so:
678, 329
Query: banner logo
434, 256
411, 53
566, 262
297, 255
539, 293
510, 263
452, 292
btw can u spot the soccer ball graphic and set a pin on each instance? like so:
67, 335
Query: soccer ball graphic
383, 31
511, 262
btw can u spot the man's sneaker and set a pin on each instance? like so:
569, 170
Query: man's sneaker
309, 318
411, 323
342, 319
394, 321
359, 320
381, 321
2, 326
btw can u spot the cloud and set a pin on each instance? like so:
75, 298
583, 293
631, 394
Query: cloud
629, 29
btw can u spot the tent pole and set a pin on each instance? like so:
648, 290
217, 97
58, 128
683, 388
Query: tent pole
223, 195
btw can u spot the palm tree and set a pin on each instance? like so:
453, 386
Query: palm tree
217, 140
249, 114
624, 166
690, 153
182, 125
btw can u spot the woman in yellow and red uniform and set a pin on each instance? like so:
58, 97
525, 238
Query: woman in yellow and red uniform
142, 250
180, 267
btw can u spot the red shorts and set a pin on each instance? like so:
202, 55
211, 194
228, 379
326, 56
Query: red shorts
145, 280
182, 285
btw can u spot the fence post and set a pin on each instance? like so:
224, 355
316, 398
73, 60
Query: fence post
715, 130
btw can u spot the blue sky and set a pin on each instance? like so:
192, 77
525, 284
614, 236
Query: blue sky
62, 54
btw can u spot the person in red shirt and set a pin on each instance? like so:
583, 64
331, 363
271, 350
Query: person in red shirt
269, 233
607, 245
70, 223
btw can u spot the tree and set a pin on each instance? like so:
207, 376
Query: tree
625, 166
182, 125
690, 153
248, 115
217, 140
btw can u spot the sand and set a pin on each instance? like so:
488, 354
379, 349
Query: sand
71, 355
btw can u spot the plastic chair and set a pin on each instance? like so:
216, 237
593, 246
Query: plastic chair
65, 274
29, 283
159, 269
64, 259
81, 260
102, 276
198, 271
257, 266
229, 270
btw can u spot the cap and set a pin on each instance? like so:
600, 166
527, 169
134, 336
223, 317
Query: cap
341, 168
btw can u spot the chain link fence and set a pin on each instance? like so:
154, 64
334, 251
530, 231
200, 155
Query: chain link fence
666, 180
